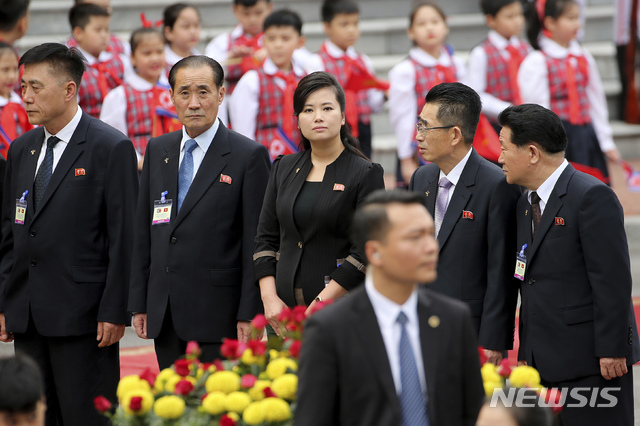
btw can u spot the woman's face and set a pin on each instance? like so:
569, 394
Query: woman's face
321, 117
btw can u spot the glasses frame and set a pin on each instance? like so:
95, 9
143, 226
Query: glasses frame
423, 130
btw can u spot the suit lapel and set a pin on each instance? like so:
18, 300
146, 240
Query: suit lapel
429, 351
169, 171
28, 172
299, 177
432, 190
523, 212
212, 165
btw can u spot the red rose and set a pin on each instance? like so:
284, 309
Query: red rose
268, 393
149, 376
205, 366
232, 349
218, 364
184, 387
294, 349
552, 397
259, 322
299, 314
136, 403
504, 369
102, 404
258, 347
193, 349
248, 380
285, 314
225, 420
483, 357
182, 367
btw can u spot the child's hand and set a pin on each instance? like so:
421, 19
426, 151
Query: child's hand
260, 54
613, 155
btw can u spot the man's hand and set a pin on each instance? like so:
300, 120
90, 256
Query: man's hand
613, 367
244, 331
109, 333
522, 362
5, 336
140, 325
494, 357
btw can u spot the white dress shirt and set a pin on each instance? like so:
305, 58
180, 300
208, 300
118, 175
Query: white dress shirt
203, 141
533, 80
64, 135
387, 314
454, 174
544, 190
403, 98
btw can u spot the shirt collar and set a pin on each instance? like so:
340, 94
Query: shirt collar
67, 131
500, 42
554, 50
456, 172
335, 52
270, 68
103, 57
204, 140
134, 80
544, 190
14, 97
387, 310
427, 60
238, 31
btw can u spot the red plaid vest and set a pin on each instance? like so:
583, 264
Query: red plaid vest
89, 95
140, 114
270, 111
559, 92
427, 77
498, 82
336, 67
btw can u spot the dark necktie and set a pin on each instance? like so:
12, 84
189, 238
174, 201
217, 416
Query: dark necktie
536, 213
185, 174
412, 400
44, 172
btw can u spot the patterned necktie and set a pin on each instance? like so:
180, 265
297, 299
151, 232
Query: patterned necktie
185, 175
442, 201
536, 213
412, 400
44, 172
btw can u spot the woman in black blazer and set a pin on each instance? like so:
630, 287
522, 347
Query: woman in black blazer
303, 249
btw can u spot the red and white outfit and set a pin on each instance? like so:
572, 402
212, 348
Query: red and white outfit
490, 73
101, 76
258, 104
13, 121
410, 81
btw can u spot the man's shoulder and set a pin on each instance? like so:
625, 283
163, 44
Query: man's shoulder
442, 304
100, 131
241, 140
333, 316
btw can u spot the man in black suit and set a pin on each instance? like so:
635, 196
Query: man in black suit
67, 225
369, 358
193, 275
475, 215
576, 320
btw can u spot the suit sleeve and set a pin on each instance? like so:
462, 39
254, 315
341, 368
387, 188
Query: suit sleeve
142, 241
348, 274
501, 297
253, 189
6, 247
606, 256
121, 191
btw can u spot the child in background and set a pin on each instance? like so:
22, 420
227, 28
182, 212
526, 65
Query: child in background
230, 49
90, 29
494, 63
341, 20
131, 108
262, 104
116, 46
429, 63
562, 76
13, 117
14, 20
22, 400
181, 32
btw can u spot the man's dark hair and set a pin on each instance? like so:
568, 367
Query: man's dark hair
80, 14
64, 61
331, 8
21, 386
533, 123
283, 18
458, 105
197, 61
492, 7
371, 222
11, 11
247, 3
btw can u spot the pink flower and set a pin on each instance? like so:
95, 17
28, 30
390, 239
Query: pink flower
182, 367
284, 315
299, 314
136, 403
193, 349
102, 404
259, 322
294, 349
248, 380
258, 347
184, 387
149, 376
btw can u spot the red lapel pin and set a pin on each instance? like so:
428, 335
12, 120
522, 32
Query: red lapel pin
225, 179
559, 221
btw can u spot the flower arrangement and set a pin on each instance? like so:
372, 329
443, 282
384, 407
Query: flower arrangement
255, 385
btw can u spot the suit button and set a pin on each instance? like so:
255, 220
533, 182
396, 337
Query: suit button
174, 240
531, 281
34, 262
166, 269
32, 233
300, 245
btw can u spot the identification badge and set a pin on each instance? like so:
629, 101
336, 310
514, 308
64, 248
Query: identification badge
521, 264
162, 210
21, 208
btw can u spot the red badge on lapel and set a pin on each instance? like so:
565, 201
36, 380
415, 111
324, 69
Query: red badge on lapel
559, 221
225, 179
80, 172
338, 187
467, 214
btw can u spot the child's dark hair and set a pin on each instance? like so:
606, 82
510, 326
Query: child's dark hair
331, 8
4, 47
425, 3
283, 18
141, 33
80, 14
21, 386
313, 82
552, 8
11, 11
492, 7
247, 3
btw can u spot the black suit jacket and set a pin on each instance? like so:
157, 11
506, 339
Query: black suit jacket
474, 263
347, 181
70, 261
201, 261
576, 294
345, 377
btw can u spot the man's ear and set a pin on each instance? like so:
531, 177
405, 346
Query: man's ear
71, 90
372, 252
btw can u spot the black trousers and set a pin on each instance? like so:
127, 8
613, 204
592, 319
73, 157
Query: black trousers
75, 371
170, 347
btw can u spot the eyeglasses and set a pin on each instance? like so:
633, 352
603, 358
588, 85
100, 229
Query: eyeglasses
422, 129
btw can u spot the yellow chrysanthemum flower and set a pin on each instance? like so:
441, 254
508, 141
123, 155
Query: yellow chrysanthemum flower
214, 403
276, 410
233, 416
285, 386
490, 386
223, 381
237, 402
169, 407
256, 392
273, 354
248, 358
279, 366
129, 383
146, 403
254, 414
490, 373
525, 376
162, 377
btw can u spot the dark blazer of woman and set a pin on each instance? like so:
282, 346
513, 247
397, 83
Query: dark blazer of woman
280, 246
